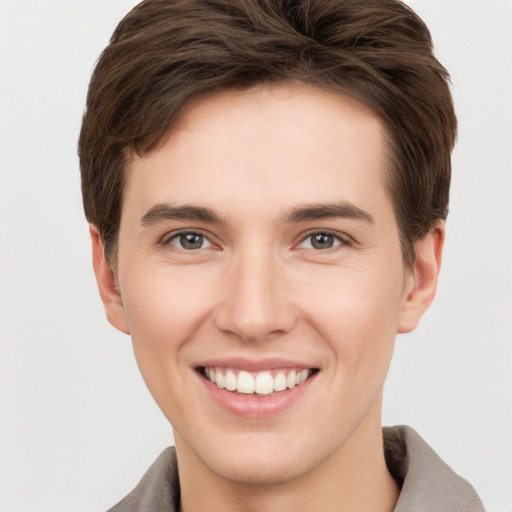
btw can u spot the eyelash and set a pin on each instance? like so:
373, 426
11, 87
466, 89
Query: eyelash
338, 240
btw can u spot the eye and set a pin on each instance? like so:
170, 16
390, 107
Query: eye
321, 241
189, 241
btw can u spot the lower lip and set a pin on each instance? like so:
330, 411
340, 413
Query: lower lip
253, 406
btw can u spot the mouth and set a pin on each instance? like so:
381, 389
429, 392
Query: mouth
260, 383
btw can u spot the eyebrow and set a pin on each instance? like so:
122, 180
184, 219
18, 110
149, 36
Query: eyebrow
340, 209
166, 211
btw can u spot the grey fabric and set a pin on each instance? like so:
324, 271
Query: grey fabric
158, 490
428, 484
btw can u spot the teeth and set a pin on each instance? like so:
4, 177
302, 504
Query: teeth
280, 382
290, 380
219, 379
230, 381
245, 383
263, 383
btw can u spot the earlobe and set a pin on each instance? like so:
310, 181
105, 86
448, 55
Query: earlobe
421, 282
107, 285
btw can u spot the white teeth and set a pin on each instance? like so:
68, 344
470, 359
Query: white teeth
220, 380
262, 383
280, 382
230, 381
245, 383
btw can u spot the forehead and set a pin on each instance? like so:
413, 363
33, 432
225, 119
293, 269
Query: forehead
277, 145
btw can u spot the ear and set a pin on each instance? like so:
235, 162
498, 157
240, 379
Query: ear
421, 282
107, 285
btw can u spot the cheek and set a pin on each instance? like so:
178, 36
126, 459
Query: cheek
163, 306
164, 310
357, 315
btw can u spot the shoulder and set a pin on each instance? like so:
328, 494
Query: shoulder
427, 482
158, 490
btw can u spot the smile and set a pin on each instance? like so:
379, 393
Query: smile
256, 383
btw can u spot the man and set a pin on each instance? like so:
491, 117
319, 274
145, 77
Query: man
267, 183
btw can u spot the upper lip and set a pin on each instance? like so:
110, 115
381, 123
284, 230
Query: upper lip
255, 365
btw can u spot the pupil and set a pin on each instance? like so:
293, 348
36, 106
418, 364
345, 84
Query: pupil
322, 241
191, 241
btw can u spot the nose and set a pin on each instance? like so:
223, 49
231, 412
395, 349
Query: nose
255, 304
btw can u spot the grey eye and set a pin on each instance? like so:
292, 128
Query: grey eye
321, 241
190, 241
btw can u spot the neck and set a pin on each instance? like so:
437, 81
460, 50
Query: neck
354, 479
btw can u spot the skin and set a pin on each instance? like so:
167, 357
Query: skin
257, 288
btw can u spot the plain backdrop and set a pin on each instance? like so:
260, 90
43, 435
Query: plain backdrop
77, 426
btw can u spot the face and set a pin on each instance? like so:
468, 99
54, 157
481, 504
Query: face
258, 248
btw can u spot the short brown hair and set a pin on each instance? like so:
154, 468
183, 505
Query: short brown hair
166, 53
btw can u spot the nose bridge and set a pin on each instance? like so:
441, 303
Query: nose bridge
254, 303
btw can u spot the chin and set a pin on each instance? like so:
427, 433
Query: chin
258, 470
260, 459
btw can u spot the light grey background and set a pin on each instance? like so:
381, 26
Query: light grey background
77, 425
